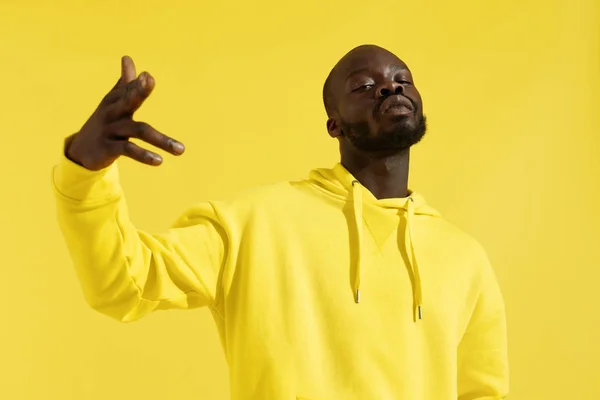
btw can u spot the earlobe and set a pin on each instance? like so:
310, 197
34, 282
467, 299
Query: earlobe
333, 128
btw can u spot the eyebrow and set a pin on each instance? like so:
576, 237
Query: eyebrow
395, 67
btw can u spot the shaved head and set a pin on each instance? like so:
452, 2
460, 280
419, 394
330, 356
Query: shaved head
372, 103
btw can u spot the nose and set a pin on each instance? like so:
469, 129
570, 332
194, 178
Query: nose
390, 88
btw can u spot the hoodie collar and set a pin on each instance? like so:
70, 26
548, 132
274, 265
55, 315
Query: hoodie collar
340, 183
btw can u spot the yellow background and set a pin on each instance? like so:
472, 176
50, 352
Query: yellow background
511, 89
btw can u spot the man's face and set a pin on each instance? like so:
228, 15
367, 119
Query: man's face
378, 108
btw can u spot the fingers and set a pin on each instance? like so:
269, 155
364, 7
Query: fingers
125, 129
126, 100
127, 75
133, 151
127, 69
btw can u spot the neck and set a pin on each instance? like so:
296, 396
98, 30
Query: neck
385, 176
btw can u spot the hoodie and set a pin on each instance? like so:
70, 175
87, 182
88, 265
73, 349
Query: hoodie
319, 290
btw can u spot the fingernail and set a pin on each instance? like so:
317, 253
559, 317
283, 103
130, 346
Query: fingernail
156, 159
178, 147
143, 79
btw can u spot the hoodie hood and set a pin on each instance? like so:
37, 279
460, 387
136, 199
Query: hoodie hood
340, 183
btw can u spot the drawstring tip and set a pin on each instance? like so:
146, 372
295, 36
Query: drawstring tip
420, 312
357, 297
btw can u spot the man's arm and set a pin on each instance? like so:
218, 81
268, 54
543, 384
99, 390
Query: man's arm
126, 273
482, 353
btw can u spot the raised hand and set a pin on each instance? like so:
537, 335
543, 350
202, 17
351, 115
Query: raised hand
105, 136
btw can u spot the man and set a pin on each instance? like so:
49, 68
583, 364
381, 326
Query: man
345, 285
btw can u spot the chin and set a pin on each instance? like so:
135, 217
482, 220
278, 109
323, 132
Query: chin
399, 129
388, 142
403, 122
403, 134
388, 136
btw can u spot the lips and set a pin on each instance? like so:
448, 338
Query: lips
397, 101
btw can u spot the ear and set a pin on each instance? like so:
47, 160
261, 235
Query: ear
334, 129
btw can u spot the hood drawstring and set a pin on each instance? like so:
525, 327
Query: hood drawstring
417, 290
358, 209
357, 202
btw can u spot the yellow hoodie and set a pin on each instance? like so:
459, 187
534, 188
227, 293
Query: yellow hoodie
319, 290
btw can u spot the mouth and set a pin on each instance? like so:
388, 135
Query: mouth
397, 105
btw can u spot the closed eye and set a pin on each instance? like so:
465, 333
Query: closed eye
363, 87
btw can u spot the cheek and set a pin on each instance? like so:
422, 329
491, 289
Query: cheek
414, 93
357, 112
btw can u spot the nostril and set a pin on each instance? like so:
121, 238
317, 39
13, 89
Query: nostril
399, 89
385, 92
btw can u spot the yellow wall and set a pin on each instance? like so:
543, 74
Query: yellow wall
511, 89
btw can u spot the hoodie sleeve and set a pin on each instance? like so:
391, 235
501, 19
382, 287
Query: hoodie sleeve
126, 273
482, 352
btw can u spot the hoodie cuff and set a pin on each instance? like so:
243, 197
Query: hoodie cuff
80, 184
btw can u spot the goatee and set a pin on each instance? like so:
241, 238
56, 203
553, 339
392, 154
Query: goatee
402, 137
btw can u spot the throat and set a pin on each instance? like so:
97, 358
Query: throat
385, 178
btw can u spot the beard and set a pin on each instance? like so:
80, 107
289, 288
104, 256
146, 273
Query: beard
403, 136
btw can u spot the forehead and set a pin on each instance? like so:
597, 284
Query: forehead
373, 60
